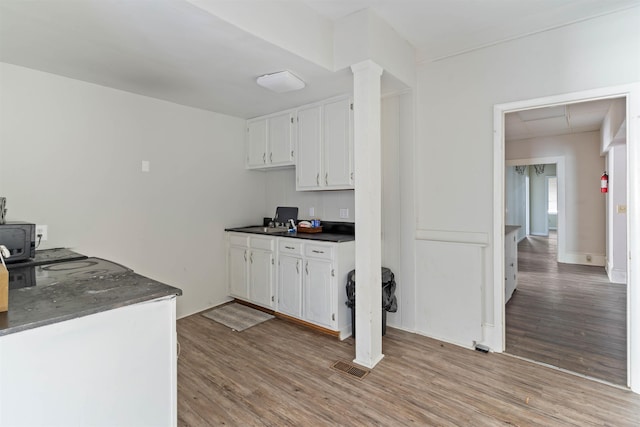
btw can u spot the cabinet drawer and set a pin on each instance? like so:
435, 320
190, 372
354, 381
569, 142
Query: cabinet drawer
319, 251
287, 246
262, 243
238, 240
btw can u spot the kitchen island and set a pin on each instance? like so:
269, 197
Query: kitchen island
89, 343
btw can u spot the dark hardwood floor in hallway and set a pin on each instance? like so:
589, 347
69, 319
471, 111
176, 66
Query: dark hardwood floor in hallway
566, 315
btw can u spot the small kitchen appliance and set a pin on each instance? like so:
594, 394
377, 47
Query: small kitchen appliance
20, 239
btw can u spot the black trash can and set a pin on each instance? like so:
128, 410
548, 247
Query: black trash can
389, 301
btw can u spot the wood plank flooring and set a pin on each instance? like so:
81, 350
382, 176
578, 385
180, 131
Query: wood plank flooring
565, 315
278, 374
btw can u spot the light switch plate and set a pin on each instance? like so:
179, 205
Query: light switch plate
621, 209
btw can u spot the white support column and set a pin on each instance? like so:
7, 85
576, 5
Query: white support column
368, 196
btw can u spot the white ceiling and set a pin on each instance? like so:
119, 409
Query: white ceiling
440, 28
556, 120
172, 50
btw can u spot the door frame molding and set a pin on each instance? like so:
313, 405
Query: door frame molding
632, 94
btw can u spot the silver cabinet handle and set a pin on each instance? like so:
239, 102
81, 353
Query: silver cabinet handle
318, 178
264, 157
245, 256
317, 252
298, 267
289, 247
306, 267
326, 178
271, 157
251, 257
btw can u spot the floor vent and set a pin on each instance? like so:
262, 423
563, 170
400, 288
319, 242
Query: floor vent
350, 369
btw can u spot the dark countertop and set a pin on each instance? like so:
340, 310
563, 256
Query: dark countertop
322, 236
71, 297
511, 228
48, 256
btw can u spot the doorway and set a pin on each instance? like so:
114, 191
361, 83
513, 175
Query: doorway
631, 94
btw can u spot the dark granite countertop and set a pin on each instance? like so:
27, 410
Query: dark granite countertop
511, 228
322, 236
48, 256
71, 297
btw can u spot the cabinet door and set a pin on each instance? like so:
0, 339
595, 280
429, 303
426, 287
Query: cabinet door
256, 143
280, 141
317, 292
290, 285
338, 145
309, 148
238, 285
261, 277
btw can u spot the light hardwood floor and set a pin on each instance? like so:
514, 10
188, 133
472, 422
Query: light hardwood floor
569, 316
278, 374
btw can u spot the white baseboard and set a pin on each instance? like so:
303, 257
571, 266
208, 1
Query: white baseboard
581, 259
618, 275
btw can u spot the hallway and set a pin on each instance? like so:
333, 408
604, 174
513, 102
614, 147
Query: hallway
566, 315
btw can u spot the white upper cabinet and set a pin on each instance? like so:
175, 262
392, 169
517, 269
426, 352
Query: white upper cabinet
281, 140
270, 141
338, 144
309, 148
325, 146
256, 143
316, 138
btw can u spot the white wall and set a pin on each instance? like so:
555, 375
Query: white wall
584, 204
617, 221
281, 191
454, 162
71, 159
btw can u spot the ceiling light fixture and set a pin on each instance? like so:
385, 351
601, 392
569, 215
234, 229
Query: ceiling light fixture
283, 81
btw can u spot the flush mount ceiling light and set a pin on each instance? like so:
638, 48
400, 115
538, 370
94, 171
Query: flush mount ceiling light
280, 82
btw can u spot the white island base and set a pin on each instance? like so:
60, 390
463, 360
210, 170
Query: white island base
113, 368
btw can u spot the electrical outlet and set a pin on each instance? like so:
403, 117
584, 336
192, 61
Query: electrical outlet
589, 258
41, 230
146, 166
344, 213
312, 211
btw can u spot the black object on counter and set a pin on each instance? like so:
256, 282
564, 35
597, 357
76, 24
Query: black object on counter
284, 214
389, 300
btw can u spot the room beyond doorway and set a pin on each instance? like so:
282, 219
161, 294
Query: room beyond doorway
565, 315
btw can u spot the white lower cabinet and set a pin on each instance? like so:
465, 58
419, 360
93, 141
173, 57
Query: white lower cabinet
310, 277
237, 267
251, 268
290, 274
317, 292
261, 277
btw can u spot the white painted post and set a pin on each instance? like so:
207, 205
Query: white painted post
368, 197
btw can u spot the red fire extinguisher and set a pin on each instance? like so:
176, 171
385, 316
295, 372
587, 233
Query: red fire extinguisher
604, 183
